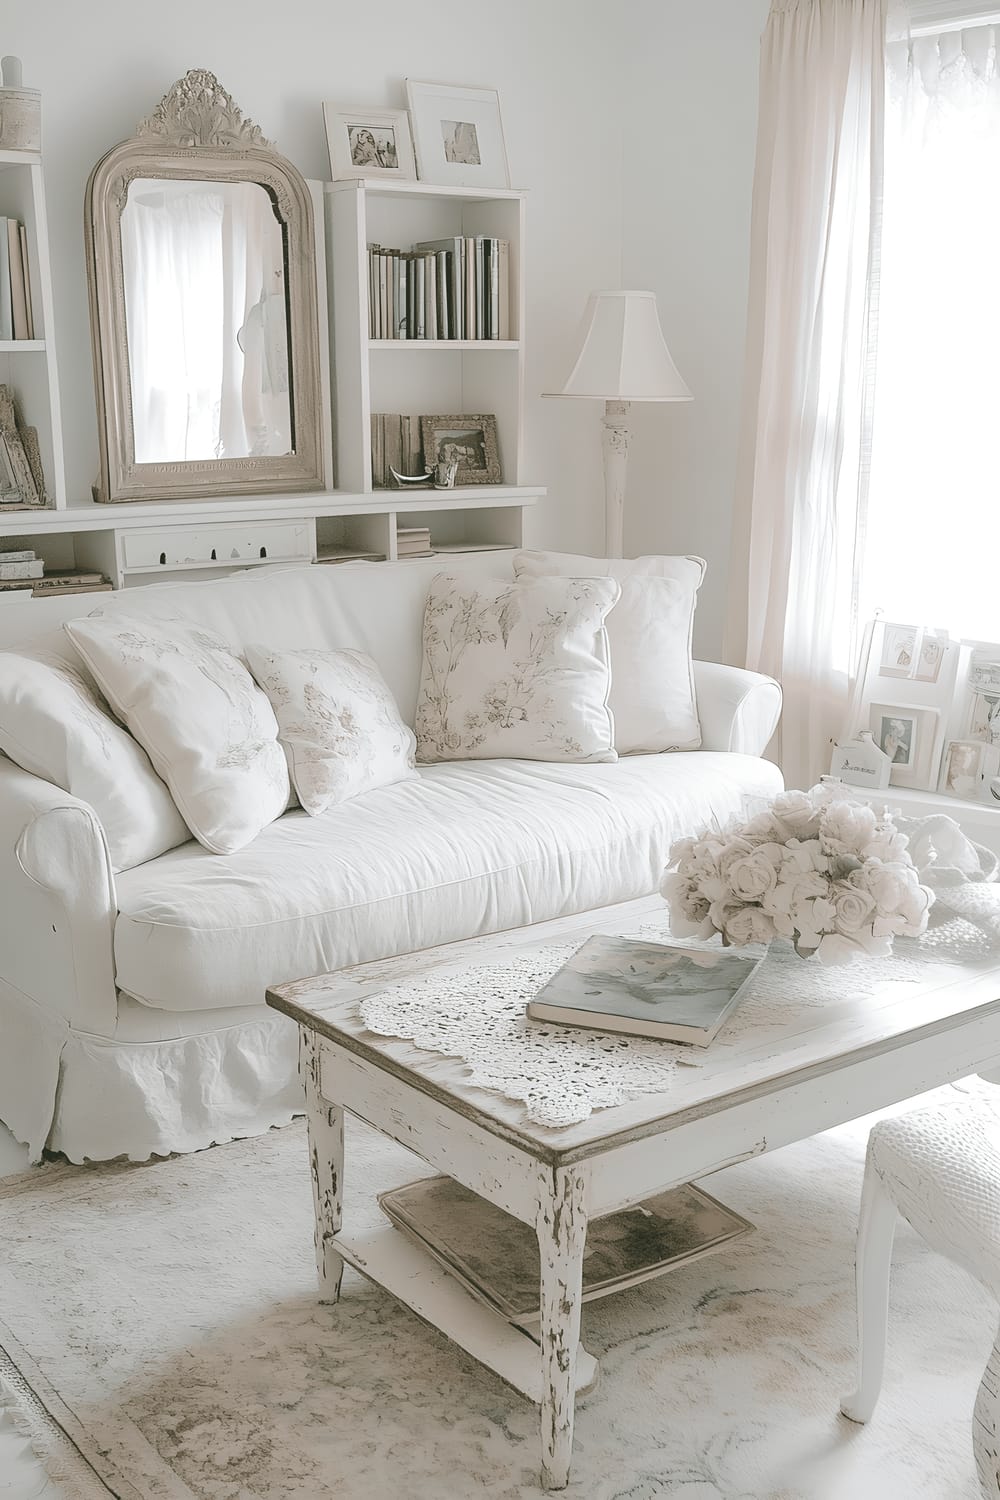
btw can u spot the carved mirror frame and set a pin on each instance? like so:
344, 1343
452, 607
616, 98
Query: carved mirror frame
197, 133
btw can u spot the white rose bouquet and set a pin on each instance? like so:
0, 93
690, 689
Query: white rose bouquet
819, 867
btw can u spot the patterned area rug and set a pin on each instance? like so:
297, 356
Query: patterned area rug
165, 1314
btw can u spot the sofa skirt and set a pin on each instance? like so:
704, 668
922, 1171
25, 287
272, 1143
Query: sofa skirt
94, 1099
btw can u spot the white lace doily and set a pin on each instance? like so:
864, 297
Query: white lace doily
560, 1074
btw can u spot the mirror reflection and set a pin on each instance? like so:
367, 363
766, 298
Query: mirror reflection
206, 321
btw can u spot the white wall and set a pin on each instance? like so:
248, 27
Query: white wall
634, 135
104, 64
690, 133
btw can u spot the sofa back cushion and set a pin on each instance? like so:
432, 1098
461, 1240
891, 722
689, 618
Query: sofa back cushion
649, 632
376, 608
209, 730
55, 723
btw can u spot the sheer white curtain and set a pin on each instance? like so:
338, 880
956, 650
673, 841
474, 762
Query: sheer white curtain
804, 448
929, 556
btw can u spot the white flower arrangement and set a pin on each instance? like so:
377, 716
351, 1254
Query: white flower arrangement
819, 867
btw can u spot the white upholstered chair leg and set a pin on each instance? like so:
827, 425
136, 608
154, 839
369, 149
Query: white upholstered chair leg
940, 1169
986, 1425
872, 1268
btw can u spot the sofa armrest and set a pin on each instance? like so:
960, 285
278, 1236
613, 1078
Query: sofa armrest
739, 710
57, 916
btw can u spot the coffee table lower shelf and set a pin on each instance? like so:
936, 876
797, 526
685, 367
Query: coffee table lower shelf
386, 1257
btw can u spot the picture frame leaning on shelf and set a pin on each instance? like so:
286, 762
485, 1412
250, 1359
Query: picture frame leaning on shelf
468, 440
368, 142
458, 135
20, 476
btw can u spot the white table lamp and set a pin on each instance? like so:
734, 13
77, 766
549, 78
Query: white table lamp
622, 358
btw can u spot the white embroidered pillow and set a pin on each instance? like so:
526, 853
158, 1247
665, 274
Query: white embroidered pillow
516, 670
209, 730
337, 721
649, 631
55, 724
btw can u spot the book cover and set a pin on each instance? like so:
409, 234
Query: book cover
454, 248
645, 989
469, 320
419, 300
493, 316
443, 321
6, 315
430, 297
27, 281
27, 555
403, 299
503, 274
31, 569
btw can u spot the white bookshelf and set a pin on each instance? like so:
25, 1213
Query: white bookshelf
29, 366
141, 542
420, 377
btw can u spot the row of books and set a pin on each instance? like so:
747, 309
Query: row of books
23, 570
395, 445
455, 288
17, 318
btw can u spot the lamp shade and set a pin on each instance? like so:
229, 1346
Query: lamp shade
622, 355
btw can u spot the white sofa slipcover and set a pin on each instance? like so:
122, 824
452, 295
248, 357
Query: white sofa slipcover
131, 1006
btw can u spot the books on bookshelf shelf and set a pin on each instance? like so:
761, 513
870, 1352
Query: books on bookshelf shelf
23, 570
454, 288
17, 319
413, 541
395, 445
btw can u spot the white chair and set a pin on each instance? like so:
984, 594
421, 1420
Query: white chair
940, 1168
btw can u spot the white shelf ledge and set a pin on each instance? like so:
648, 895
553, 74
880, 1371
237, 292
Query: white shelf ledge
22, 346
88, 516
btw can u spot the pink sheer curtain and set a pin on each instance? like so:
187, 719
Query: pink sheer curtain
804, 446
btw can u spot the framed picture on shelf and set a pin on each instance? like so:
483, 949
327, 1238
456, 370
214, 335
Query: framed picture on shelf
912, 651
906, 734
468, 441
962, 768
366, 142
984, 720
458, 134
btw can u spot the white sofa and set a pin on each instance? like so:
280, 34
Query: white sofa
132, 1016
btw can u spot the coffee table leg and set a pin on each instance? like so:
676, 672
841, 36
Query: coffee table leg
326, 1164
562, 1234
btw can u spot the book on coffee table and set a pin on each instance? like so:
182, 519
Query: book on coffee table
645, 989
495, 1256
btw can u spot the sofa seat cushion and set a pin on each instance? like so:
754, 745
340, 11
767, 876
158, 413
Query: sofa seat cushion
466, 848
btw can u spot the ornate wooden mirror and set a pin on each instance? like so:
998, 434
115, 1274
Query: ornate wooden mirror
202, 273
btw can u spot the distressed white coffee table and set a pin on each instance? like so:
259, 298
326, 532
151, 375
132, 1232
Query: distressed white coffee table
803, 1072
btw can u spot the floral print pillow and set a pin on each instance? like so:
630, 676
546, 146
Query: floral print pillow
337, 721
516, 670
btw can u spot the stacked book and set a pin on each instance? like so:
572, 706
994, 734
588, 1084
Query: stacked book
395, 445
413, 541
455, 288
17, 319
23, 570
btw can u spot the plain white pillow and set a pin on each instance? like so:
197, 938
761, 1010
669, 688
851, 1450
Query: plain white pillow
55, 724
650, 631
337, 720
516, 670
209, 730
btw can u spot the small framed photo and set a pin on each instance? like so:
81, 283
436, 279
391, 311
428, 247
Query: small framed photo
911, 651
962, 768
367, 142
984, 720
906, 735
468, 441
458, 134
